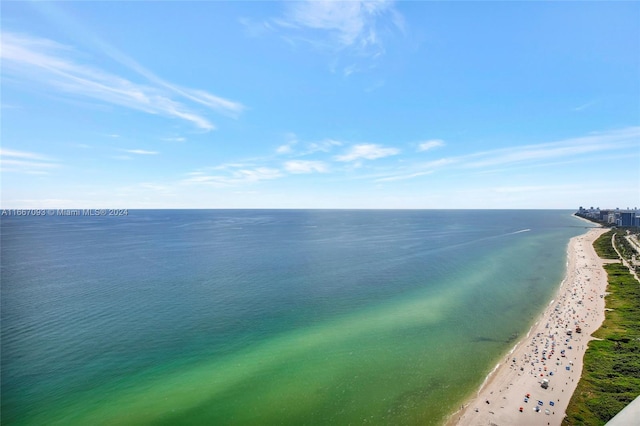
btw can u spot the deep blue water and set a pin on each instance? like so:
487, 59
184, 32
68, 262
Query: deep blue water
268, 316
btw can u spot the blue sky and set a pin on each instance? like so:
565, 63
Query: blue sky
320, 104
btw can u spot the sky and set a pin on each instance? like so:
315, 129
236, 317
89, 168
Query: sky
320, 104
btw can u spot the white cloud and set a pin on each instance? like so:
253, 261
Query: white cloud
594, 143
8, 106
585, 106
227, 166
222, 105
430, 144
217, 103
234, 177
156, 187
325, 145
287, 148
257, 174
367, 152
25, 162
347, 71
531, 188
422, 170
302, 166
4, 152
47, 63
404, 177
140, 152
353, 24
284, 149
550, 154
255, 28
25, 166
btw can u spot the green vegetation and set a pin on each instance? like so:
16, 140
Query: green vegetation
627, 251
611, 375
604, 248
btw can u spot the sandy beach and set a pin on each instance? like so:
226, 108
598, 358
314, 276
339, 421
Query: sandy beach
550, 354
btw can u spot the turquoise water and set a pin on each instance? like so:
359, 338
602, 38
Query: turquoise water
264, 316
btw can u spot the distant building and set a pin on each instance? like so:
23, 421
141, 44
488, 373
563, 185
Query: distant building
627, 218
617, 217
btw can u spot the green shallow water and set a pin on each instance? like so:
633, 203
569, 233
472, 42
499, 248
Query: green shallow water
408, 354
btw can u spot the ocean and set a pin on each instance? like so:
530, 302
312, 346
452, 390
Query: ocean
236, 317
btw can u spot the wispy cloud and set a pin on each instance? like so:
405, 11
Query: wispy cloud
568, 148
366, 152
287, 148
375, 86
230, 166
521, 189
302, 166
25, 162
348, 24
216, 103
306, 148
222, 105
234, 177
284, 149
347, 71
43, 203
430, 144
404, 177
585, 106
49, 63
422, 170
255, 28
537, 155
156, 187
237, 174
175, 139
140, 152
325, 145
5, 152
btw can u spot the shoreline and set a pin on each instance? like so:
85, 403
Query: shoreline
547, 351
